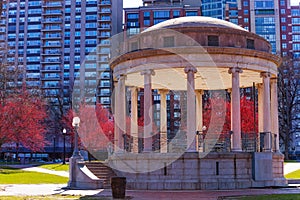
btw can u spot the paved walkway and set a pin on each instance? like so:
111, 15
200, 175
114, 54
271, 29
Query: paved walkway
48, 171
290, 167
51, 189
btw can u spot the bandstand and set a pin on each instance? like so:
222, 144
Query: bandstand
194, 54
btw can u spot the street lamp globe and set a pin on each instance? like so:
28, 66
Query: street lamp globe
64, 131
76, 121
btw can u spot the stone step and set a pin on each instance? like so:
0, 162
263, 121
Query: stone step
102, 171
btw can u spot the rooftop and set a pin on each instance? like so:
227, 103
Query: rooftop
195, 21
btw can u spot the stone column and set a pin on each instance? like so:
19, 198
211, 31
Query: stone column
266, 111
274, 112
199, 119
148, 110
260, 112
191, 109
134, 120
163, 121
236, 110
120, 114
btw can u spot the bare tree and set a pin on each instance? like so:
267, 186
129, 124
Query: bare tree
288, 86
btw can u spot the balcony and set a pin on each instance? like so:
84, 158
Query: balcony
51, 78
52, 28
51, 86
52, 12
52, 20
51, 52
52, 4
52, 37
51, 60
51, 69
104, 11
56, 45
105, 2
104, 19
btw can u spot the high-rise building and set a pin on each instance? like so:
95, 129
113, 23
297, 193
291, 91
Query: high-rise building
51, 41
155, 11
63, 47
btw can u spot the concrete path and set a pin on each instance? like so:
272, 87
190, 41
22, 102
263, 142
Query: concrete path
51, 189
42, 170
290, 167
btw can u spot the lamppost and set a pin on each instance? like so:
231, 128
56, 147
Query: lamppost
76, 157
64, 135
75, 124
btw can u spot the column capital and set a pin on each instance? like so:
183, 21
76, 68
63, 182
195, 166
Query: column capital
148, 72
235, 70
201, 92
265, 74
274, 79
120, 77
133, 88
163, 91
188, 69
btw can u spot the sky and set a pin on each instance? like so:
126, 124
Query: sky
137, 3
133, 3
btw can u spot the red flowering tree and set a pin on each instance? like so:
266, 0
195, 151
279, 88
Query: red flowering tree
22, 121
217, 112
96, 129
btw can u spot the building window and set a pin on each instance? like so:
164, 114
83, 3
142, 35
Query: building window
246, 12
161, 14
295, 20
176, 13
147, 14
213, 40
191, 13
284, 46
132, 15
250, 44
296, 38
283, 28
246, 20
282, 2
283, 19
283, 37
146, 22
296, 29
296, 47
282, 11
246, 3
169, 41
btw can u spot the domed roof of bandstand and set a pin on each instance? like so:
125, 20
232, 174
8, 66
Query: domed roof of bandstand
191, 47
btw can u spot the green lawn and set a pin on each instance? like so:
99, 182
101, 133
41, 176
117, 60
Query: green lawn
56, 167
53, 197
293, 175
17, 176
267, 197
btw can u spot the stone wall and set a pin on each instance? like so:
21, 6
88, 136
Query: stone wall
194, 171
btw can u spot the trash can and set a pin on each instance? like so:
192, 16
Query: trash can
118, 187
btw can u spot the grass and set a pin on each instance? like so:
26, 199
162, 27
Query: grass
17, 176
267, 197
56, 167
293, 175
52, 197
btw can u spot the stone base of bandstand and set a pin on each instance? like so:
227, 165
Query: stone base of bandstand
198, 171
80, 177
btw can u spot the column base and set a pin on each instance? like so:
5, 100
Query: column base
191, 150
267, 150
236, 150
